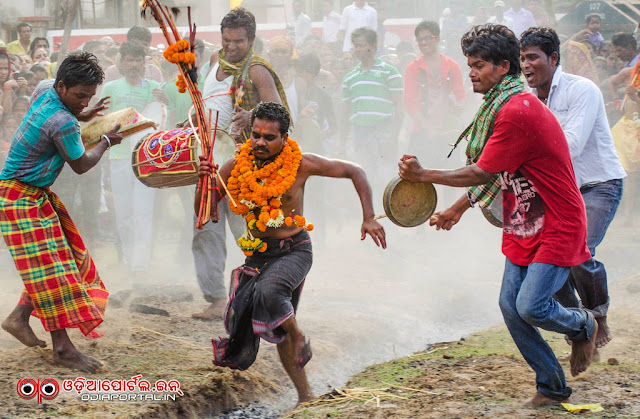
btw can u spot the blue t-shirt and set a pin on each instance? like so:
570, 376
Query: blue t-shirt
48, 136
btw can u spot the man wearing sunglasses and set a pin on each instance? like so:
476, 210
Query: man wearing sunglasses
434, 95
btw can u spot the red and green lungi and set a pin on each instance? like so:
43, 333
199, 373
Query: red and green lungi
61, 281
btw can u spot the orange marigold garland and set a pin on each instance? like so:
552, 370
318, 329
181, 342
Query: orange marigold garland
261, 188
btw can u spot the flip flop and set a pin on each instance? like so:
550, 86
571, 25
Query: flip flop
305, 356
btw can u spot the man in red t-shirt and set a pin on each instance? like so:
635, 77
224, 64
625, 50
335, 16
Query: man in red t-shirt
544, 231
433, 96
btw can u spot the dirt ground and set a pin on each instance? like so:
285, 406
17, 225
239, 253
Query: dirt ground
361, 306
485, 376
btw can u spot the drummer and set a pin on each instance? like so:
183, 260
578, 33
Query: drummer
517, 145
275, 269
62, 287
233, 62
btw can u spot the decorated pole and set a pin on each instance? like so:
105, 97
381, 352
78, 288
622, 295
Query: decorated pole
180, 52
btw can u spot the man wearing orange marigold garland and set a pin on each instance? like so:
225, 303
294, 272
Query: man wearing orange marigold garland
266, 180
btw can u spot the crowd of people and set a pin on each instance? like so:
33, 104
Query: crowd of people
350, 95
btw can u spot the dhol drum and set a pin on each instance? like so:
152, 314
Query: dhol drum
409, 204
493, 213
130, 122
166, 159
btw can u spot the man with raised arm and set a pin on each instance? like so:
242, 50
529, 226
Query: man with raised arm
62, 286
266, 181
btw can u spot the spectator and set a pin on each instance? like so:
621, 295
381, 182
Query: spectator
453, 26
39, 42
434, 95
99, 49
500, 18
5, 75
142, 36
317, 106
39, 72
20, 107
372, 95
281, 52
40, 56
133, 201
593, 26
522, 18
330, 25
357, 15
21, 45
25, 62
301, 23
626, 48
539, 13
17, 85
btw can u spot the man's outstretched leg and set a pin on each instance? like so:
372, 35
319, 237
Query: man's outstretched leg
66, 354
294, 354
17, 324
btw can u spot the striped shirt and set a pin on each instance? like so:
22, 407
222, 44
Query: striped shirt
48, 136
370, 92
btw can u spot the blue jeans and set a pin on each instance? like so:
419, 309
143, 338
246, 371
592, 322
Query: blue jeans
526, 303
589, 279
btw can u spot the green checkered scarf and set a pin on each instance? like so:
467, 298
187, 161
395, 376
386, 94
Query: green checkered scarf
479, 131
240, 73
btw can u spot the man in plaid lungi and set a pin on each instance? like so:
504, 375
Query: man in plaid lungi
62, 286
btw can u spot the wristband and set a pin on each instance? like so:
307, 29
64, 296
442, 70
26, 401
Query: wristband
108, 140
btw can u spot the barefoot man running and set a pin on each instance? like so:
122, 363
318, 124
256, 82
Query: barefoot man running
516, 145
266, 180
62, 286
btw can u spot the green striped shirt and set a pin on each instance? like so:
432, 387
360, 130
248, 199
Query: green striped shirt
370, 92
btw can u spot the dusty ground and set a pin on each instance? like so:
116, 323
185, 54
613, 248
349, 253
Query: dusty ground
485, 376
361, 306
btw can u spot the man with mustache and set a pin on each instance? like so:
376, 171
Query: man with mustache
516, 146
265, 291
133, 202
235, 66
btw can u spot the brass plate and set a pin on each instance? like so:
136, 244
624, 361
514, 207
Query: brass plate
409, 204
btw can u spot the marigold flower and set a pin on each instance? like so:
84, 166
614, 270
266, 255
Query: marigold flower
288, 221
261, 226
309, 227
263, 247
247, 253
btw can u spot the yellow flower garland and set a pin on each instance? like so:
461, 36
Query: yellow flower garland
254, 187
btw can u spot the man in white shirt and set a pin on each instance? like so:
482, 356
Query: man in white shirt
301, 23
330, 24
522, 18
356, 15
499, 17
578, 104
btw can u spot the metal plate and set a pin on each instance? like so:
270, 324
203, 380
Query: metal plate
493, 213
409, 204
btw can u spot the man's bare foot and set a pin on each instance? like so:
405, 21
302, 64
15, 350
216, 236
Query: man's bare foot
17, 324
302, 352
582, 353
303, 398
540, 400
76, 360
604, 335
214, 311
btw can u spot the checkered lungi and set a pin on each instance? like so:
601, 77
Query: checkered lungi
61, 281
